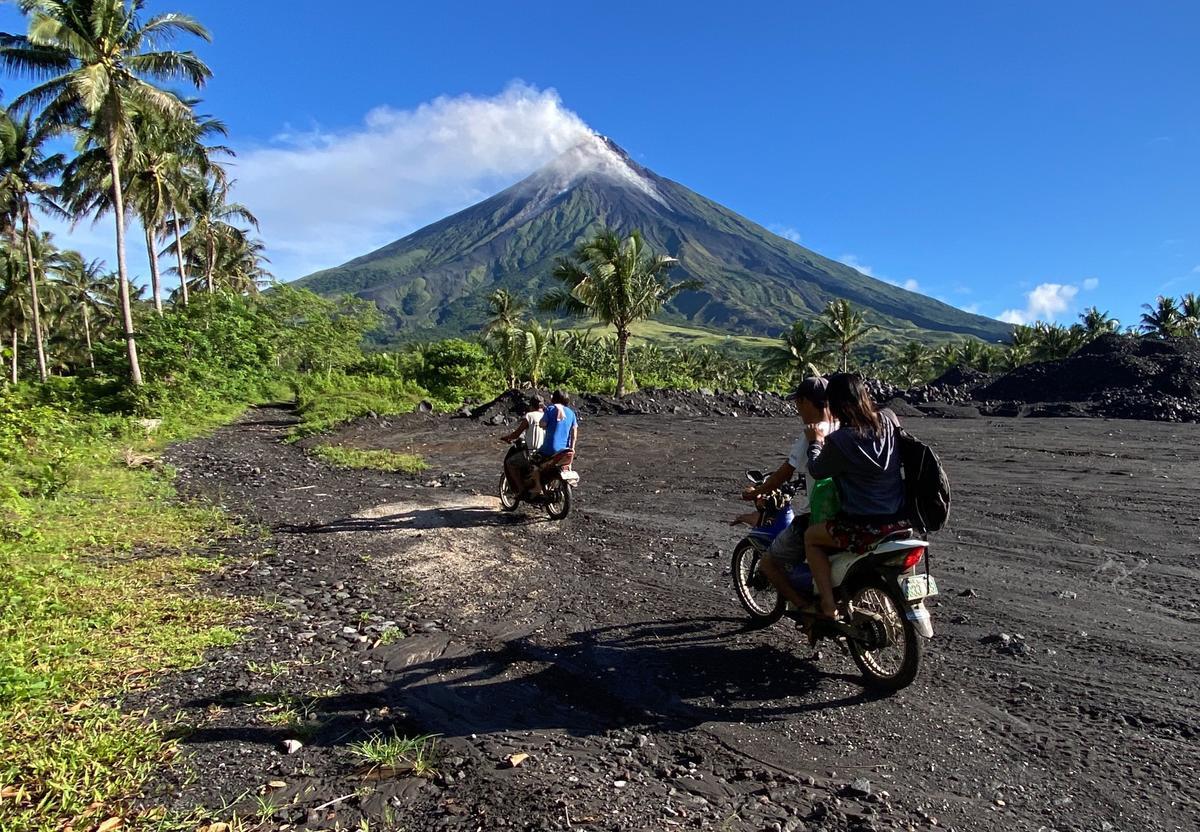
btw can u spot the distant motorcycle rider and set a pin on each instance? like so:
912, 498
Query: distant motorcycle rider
787, 550
557, 448
518, 461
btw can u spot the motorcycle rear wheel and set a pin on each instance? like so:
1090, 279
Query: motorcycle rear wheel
509, 498
558, 499
761, 601
892, 657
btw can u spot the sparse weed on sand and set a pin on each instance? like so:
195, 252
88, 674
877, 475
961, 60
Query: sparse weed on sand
419, 754
378, 460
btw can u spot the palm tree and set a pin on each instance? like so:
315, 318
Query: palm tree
507, 347
945, 356
507, 311
1163, 319
1054, 341
26, 171
1189, 311
844, 326
210, 219
1097, 323
102, 62
225, 257
170, 150
617, 280
799, 353
538, 338
911, 363
15, 303
82, 284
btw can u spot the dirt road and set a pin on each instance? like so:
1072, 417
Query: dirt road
611, 650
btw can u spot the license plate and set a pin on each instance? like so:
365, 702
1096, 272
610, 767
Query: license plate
919, 586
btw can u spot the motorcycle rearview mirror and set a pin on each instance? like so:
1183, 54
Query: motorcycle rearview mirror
754, 476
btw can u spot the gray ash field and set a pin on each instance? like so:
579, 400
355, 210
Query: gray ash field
1060, 690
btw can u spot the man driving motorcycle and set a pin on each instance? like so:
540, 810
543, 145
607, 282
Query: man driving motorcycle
787, 550
518, 461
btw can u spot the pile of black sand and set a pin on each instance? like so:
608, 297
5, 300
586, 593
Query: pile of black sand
956, 386
1117, 376
512, 403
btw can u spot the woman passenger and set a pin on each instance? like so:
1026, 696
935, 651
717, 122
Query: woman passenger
863, 458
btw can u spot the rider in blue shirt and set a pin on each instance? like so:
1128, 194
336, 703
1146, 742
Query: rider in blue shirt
558, 446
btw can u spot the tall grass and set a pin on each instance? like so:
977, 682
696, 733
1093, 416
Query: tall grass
328, 399
98, 596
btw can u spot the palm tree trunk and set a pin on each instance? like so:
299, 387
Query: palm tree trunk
135, 369
154, 280
183, 279
14, 355
87, 335
210, 266
33, 294
622, 346
845, 358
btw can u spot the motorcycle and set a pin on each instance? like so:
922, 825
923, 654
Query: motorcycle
557, 487
880, 592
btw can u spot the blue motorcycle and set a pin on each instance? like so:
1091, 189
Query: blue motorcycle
757, 596
881, 592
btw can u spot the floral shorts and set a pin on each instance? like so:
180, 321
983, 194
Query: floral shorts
562, 459
857, 536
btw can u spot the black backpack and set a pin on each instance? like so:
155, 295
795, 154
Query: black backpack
926, 486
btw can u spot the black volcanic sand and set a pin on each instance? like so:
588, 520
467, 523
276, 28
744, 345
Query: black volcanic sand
611, 650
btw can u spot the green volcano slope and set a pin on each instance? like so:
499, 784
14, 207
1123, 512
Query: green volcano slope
755, 282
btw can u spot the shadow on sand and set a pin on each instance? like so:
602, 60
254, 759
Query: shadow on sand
657, 675
448, 517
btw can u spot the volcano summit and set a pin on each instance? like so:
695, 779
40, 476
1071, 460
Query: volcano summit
754, 281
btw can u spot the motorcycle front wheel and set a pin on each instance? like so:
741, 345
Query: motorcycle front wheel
757, 595
889, 655
558, 499
509, 498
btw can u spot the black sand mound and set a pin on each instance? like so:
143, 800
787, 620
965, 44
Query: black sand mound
1117, 375
648, 401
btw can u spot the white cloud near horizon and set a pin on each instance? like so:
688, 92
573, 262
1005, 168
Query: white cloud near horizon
853, 262
326, 196
1047, 301
786, 232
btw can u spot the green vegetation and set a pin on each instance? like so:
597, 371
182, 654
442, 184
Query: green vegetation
329, 399
416, 753
97, 598
378, 460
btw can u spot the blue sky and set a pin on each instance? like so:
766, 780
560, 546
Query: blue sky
1026, 157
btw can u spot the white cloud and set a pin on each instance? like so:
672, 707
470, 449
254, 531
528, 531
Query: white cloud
1091, 283
1045, 303
785, 231
325, 196
973, 308
853, 262
1196, 270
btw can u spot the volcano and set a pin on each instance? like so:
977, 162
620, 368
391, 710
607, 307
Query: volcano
754, 281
